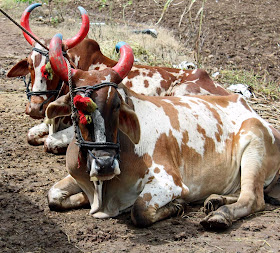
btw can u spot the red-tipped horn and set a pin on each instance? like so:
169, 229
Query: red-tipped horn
126, 59
57, 60
24, 21
69, 43
83, 30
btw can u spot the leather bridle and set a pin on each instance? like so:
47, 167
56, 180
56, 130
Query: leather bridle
90, 145
54, 93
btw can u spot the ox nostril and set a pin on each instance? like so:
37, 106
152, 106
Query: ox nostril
104, 165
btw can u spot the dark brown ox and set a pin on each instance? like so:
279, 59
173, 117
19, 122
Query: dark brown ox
174, 150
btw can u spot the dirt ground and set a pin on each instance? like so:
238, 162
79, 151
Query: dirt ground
27, 173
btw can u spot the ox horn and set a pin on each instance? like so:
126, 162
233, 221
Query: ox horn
57, 60
83, 30
126, 60
69, 43
59, 64
24, 21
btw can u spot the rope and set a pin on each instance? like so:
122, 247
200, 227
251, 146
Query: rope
73, 114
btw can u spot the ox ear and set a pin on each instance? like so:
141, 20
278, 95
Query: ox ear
20, 69
128, 123
60, 107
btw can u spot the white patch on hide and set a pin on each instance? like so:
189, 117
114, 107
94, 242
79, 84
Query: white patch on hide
77, 59
138, 82
162, 187
40, 83
99, 66
60, 139
38, 130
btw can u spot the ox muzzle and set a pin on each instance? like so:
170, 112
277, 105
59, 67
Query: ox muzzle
35, 109
102, 165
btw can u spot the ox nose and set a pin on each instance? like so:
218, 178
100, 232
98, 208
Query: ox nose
35, 111
104, 165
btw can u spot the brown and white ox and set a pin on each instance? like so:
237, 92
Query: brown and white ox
46, 86
154, 81
174, 150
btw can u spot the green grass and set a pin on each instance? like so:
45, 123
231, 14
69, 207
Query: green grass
8, 4
165, 50
257, 82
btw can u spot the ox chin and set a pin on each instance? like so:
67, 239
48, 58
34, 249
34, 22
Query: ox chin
103, 173
102, 178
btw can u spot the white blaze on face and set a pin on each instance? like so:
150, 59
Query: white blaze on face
40, 83
108, 78
99, 127
109, 93
99, 135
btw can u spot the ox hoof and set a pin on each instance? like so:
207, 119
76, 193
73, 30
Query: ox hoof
213, 203
216, 220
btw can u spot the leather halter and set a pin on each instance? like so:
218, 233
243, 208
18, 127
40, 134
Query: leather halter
89, 145
53, 93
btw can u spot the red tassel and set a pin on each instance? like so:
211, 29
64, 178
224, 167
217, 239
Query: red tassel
83, 118
81, 103
44, 72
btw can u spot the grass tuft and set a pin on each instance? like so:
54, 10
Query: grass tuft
257, 82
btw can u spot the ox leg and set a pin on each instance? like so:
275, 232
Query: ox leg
157, 201
38, 134
214, 201
58, 142
251, 197
66, 194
